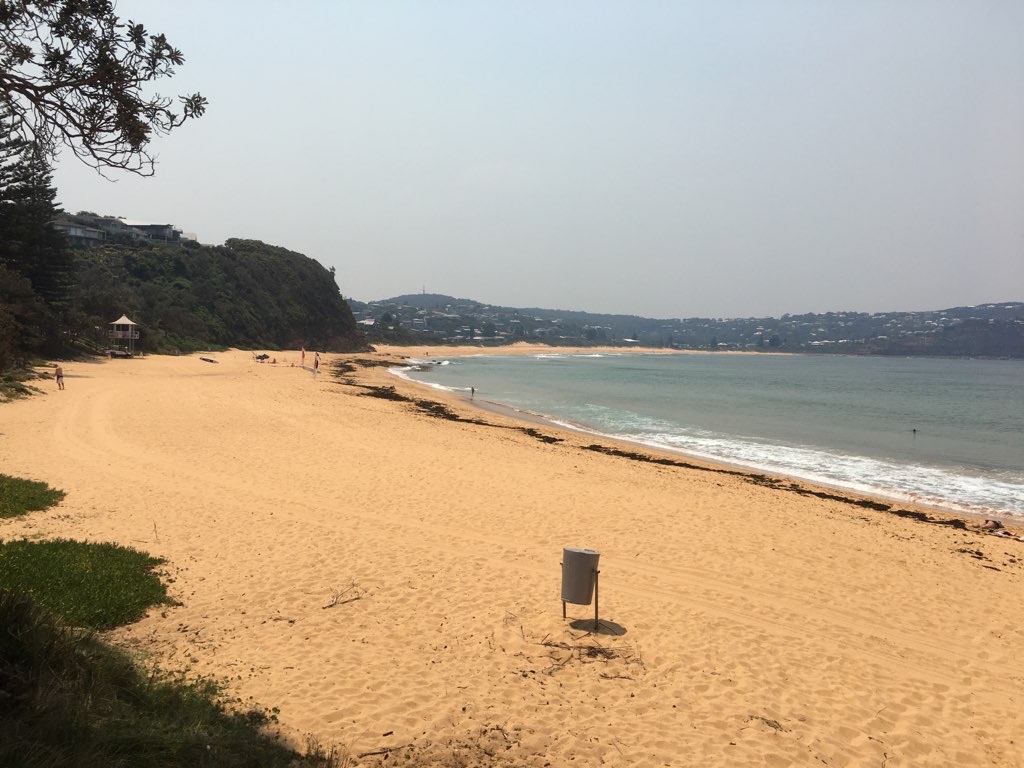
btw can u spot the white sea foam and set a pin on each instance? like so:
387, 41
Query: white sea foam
933, 486
403, 373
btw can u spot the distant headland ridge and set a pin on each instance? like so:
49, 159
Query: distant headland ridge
985, 330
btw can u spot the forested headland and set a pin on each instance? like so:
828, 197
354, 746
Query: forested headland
184, 298
190, 297
56, 301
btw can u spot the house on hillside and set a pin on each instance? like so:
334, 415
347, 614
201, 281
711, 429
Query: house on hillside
166, 232
85, 229
79, 235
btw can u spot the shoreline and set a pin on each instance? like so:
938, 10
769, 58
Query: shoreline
718, 464
532, 348
383, 567
1013, 521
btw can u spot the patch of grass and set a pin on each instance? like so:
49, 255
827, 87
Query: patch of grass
85, 585
68, 699
18, 496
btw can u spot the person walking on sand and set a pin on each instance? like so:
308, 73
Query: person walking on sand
316, 363
302, 359
60, 377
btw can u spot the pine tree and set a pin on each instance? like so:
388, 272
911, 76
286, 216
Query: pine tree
41, 249
24, 320
12, 146
30, 247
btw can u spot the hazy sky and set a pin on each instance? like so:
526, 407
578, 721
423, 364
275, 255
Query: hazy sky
669, 159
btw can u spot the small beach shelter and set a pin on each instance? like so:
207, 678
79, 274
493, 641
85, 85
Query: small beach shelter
124, 334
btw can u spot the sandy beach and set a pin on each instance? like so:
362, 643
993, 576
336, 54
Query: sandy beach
388, 577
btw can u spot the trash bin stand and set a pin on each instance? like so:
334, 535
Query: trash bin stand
576, 588
597, 592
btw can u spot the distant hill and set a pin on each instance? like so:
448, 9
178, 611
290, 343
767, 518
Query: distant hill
985, 330
189, 297
429, 300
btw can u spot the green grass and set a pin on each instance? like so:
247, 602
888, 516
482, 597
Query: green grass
18, 496
68, 699
99, 586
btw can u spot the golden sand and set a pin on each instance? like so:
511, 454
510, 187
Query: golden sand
390, 580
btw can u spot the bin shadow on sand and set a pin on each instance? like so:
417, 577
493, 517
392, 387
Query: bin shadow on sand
604, 627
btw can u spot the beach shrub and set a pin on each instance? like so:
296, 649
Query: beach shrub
85, 585
18, 496
67, 698
13, 386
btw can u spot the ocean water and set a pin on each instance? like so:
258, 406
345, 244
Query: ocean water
947, 433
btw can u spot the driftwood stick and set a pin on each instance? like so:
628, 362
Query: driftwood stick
383, 751
338, 594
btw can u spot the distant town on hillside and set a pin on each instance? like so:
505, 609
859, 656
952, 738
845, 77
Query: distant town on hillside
986, 330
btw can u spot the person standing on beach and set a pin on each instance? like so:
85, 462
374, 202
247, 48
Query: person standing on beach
316, 363
60, 377
472, 392
302, 359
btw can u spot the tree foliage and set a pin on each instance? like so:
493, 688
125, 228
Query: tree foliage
74, 72
31, 246
36, 267
24, 319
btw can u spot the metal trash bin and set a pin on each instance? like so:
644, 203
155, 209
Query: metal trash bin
579, 567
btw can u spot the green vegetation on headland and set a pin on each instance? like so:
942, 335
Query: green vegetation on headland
58, 301
68, 698
185, 297
189, 297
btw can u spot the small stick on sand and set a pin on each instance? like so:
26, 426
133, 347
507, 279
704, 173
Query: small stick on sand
383, 751
338, 594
